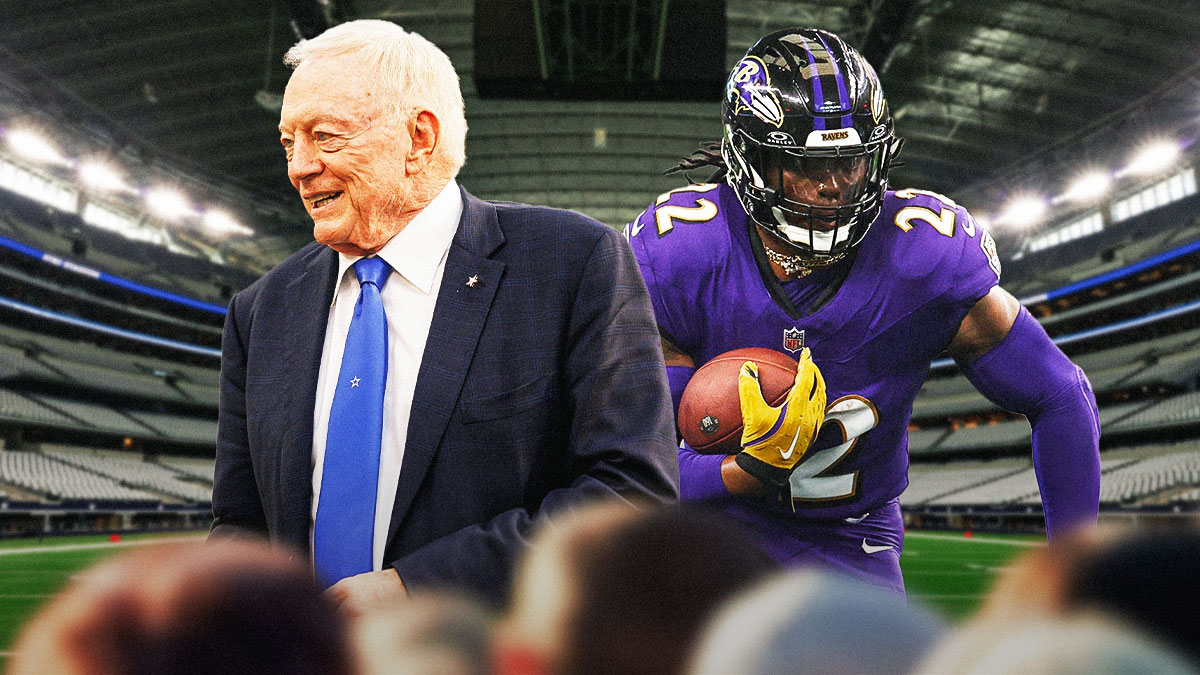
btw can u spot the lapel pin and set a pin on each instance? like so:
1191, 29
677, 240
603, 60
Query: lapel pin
473, 281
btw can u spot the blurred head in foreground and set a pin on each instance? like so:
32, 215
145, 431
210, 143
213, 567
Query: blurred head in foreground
614, 590
1146, 578
432, 633
809, 621
187, 608
1083, 644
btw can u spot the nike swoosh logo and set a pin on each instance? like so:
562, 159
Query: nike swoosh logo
633, 231
869, 549
792, 448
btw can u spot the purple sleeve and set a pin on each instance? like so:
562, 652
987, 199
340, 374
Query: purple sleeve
1027, 373
700, 475
677, 378
978, 268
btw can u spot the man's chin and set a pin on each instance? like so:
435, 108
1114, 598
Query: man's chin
345, 242
332, 235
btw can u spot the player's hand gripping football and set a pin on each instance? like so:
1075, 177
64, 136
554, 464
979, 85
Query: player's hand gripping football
775, 439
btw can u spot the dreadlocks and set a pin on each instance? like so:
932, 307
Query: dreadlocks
707, 154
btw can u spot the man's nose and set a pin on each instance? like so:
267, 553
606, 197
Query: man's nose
305, 160
830, 186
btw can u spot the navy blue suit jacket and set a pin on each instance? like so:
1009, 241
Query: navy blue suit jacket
541, 386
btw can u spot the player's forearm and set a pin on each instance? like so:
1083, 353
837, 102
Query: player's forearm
1028, 374
700, 475
704, 477
1067, 460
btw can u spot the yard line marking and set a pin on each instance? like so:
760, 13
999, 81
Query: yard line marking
974, 540
103, 544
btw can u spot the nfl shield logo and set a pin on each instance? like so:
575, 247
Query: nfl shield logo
793, 339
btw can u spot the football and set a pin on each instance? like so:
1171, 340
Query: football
710, 413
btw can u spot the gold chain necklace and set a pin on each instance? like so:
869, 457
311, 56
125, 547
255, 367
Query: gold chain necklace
793, 265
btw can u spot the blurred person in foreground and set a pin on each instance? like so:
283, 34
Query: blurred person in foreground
1081, 644
1145, 578
812, 621
404, 398
434, 634
623, 592
798, 244
171, 609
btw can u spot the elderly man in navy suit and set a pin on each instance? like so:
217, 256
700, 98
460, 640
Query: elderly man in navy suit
406, 397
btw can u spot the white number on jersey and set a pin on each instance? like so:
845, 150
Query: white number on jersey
855, 416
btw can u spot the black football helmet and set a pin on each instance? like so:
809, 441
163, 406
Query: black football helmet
808, 141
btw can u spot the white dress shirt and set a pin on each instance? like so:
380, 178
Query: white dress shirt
417, 255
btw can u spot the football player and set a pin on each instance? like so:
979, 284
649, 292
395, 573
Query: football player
802, 247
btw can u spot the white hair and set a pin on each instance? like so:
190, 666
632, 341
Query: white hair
415, 73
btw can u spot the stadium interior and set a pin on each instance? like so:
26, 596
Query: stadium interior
141, 187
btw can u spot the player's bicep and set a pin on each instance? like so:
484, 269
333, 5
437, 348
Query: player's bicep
986, 324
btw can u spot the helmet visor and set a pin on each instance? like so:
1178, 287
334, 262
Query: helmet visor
816, 186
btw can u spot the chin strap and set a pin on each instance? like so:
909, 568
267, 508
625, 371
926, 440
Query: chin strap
793, 265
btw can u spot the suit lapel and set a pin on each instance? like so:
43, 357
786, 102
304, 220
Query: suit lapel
465, 297
306, 316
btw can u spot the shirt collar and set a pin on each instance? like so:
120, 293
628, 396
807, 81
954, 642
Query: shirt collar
416, 252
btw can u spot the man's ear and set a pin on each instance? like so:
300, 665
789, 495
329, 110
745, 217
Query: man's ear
425, 131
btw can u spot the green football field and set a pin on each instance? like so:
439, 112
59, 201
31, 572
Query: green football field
945, 570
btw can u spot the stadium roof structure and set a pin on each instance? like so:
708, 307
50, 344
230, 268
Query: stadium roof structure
990, 96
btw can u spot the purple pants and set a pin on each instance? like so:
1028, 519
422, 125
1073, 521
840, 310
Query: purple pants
867, 549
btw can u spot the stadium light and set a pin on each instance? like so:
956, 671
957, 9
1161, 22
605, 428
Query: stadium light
32, 145
1154, 156
168, 203
102, 177
222, 223
1022, 212
1087, 187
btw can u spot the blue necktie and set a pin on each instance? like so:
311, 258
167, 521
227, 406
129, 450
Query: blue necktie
345, 525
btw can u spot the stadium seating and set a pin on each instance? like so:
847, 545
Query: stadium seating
198, 468
923, 441
57, 480
175, 427
34, 345
28, 222
1179, 369
1012, 433
1171, 360
17, 407
1180, 410
930, 482
133, 471
1128, 476
92, 415
1178, 466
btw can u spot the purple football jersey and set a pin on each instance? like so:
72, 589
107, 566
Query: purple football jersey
922, 265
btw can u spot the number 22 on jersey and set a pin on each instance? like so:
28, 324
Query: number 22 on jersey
942, 220
854, 416
665, 216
